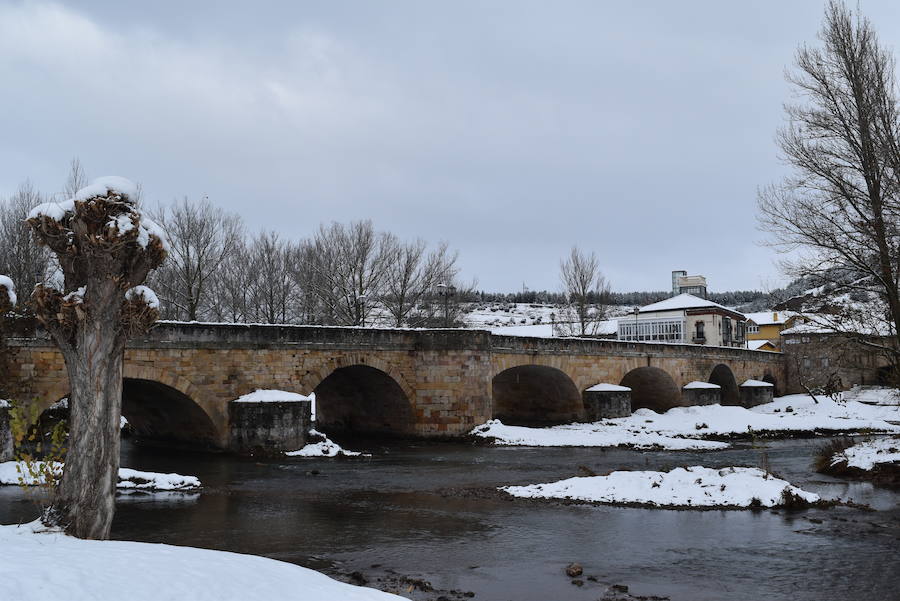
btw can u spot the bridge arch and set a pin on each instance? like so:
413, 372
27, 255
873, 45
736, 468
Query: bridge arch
362, 398
156, 412
723, 377
160, 412
768, 377
535, 394
652, 388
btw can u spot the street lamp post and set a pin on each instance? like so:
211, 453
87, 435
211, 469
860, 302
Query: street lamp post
446, 292
362, 310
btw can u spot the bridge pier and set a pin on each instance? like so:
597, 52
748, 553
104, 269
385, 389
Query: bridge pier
268, 427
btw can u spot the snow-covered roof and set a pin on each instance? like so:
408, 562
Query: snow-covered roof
755, 345
754, 383
698, 384
604, 387
766, 318
683, 301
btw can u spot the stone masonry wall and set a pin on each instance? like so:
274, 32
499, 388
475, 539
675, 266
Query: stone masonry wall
445, 374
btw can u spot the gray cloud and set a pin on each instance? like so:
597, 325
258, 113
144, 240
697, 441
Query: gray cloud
513, 130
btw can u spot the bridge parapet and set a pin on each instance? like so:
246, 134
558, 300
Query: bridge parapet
605, 347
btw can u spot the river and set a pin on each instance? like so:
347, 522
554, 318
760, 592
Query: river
418, 509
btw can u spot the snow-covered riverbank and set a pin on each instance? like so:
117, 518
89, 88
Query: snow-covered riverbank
730, 487
869, 454
688, 428
15, 472
50, 566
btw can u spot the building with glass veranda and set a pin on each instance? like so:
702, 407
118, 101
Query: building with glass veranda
687, 319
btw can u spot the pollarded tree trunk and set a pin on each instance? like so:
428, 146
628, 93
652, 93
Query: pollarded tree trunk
85, 500
105, 249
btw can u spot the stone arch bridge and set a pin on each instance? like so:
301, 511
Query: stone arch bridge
180, 378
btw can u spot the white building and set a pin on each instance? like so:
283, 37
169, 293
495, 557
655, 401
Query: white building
682, 283
685, 318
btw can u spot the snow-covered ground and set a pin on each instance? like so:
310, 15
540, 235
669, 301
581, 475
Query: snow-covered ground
599, 434
866, 455
681, 487
873, 395
683, 428
14, 472
50, 566
324, 448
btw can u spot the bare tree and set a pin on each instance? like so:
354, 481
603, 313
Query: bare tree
585, 290
232, 286
351, 264
272, 282
413, 275
106, 249
76, 180
201, 236
24, 262
840, 209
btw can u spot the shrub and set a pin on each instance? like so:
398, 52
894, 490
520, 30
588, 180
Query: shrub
822, 460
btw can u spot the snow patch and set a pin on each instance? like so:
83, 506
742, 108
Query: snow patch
71, 568
866, 455
683, 428
755, 383
10, 288
102, 186
12, 471
326, 448
148, 228
604, 387
271, 396
76, 296
599, 434
681, 487
56, 211
144, 293
696, 384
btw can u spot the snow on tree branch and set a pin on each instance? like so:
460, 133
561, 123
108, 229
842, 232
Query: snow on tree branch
7, 294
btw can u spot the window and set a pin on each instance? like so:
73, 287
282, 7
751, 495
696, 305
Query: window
741, 328
726, 330
807, 362
825, 362
752, 328
699, 332
653, 330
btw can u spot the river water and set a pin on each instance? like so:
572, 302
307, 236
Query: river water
419, 508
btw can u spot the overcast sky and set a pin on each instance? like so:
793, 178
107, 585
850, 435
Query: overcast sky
513, 130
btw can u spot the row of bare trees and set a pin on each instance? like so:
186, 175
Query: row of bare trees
345, 274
